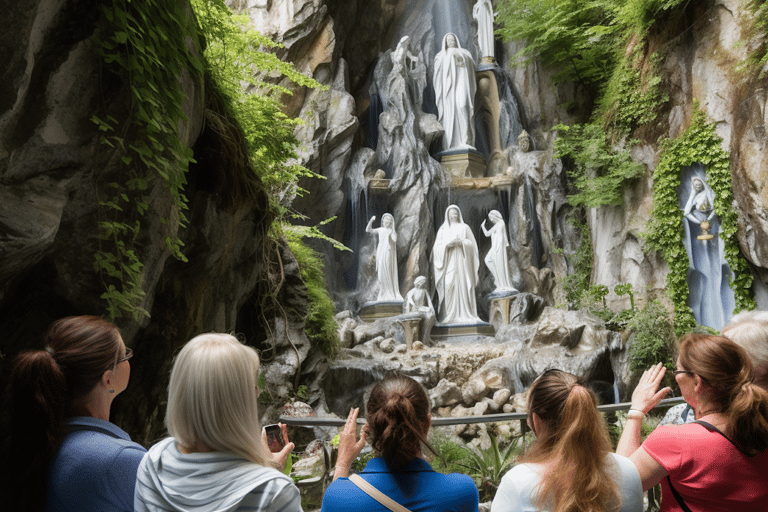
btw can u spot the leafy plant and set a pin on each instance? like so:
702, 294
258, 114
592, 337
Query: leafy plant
654, 337
576, 282
486, 467
320, 321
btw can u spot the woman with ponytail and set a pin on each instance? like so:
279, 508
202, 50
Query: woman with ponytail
719, 462
398, 421
569, 467
63, 454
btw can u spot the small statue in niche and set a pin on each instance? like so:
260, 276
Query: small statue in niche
417, 301
700, 207
455, 85
483, 13
524, 141
496, 259
386, 258
456, 263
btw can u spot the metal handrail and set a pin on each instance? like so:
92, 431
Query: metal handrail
310, 421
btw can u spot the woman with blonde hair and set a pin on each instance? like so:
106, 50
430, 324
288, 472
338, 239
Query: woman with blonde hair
719, 462
569, 467
215, 458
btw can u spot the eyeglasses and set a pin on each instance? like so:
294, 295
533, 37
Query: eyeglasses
681, 372
128, 355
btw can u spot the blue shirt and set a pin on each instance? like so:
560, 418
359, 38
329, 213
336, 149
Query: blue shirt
94, 470
417, 487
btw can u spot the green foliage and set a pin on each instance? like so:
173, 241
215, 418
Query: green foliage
152, 45
633, 95
486, 466
759, 56
320, 322
246, 72
575, 283
145, 43
698, 144
654, 338
361, 461
578, 38
600, 169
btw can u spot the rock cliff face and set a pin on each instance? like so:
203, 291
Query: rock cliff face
698, 67
53, 173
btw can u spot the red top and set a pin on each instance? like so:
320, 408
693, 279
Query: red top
708, 471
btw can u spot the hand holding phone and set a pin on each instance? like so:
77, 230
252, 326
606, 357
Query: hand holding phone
275, 439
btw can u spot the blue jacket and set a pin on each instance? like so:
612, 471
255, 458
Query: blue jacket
94, 470
417, 487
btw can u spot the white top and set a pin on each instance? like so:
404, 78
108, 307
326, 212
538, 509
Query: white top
517, 489
171, 480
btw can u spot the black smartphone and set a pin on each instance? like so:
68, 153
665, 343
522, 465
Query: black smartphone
275, 440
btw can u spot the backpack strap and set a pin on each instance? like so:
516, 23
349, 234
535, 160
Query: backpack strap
378, 495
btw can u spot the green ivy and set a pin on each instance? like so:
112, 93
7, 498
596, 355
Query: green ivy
151, 45
600, 170
698, 144
145, 43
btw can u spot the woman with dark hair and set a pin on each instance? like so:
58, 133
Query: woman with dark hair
569, 467
398, 421
63, 452
719, 462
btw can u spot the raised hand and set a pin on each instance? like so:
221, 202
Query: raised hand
647, 393
349, 446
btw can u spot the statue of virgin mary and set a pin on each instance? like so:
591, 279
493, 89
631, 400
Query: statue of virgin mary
455, 86
456, 263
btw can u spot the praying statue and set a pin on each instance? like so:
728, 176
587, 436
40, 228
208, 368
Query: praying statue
700, 207
456, 263
455, 86
386, 258
483, 13
417, 301
496, 259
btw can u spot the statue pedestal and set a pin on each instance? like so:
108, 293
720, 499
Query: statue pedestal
501, 303
378, 184
372, 311
463, 163
411, 323
445, 331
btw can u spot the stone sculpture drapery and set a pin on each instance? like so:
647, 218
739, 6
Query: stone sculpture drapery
456, 263
483, 13
386, 258
496, 259
455, 86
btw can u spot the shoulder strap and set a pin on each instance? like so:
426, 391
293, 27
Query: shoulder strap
713, 428
677, 496
378, 495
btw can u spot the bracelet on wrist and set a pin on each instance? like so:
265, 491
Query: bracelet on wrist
635, 414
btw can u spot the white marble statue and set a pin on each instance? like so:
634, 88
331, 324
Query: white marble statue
483, 13
386, 258
456, 263
417, 300
455, 86
496, 259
